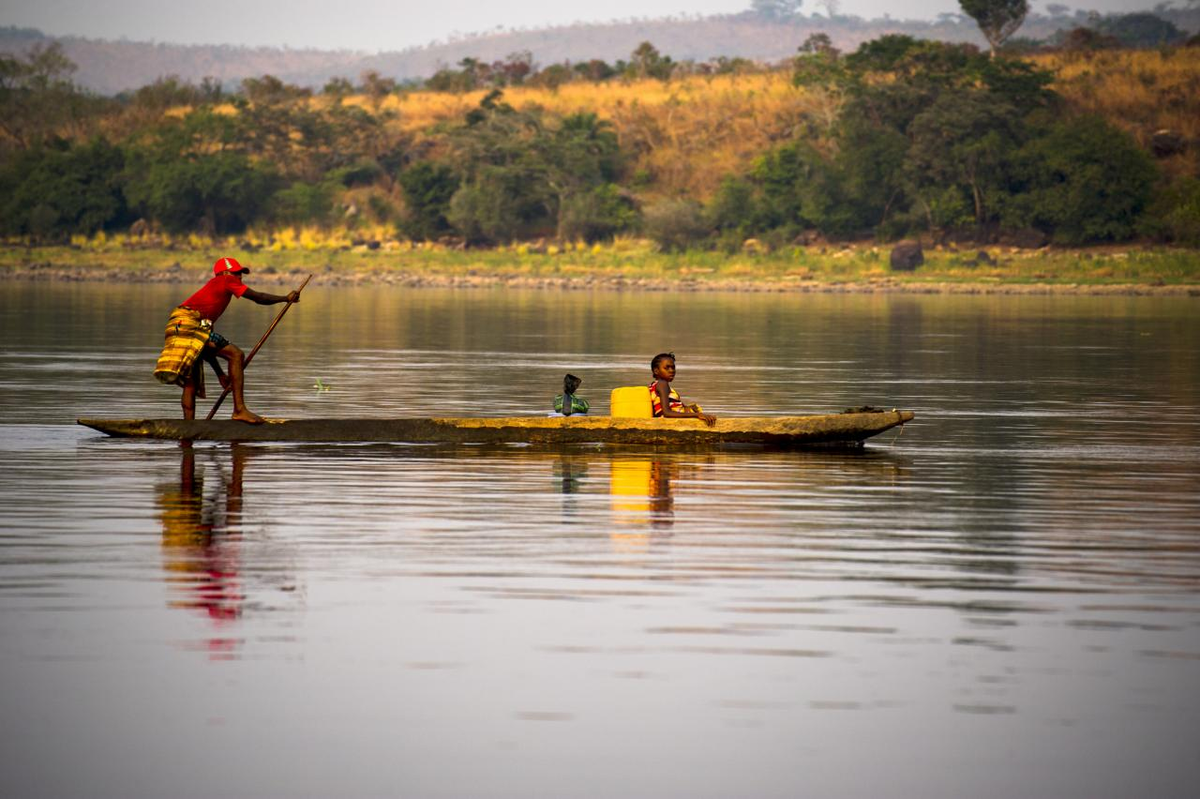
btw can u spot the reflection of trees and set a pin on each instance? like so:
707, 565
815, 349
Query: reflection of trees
201, 542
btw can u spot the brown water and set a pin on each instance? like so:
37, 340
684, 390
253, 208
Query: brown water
1004, 600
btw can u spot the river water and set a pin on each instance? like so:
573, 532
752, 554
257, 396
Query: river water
1001, 600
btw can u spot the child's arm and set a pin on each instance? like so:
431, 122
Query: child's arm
663, 389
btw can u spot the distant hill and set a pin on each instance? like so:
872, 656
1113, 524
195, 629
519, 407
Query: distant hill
110, 67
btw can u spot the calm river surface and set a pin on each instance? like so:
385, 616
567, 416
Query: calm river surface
1001, 601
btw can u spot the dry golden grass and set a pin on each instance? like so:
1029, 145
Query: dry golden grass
1141, 91
684, 135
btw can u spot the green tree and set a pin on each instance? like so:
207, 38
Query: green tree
1083, 180
596, 214
594, 70
676, 225
338, 87
38, 100
215, 193
428, 188
1174, 214
997, 19
647, 62
552, 77
376, 87
581, 154
734, 208
57, 189
923, 139
1140, 30
503, 193
492, 208
958, 158
270, 90
525, 175
304, 203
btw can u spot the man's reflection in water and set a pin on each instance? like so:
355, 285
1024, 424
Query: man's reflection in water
201, 539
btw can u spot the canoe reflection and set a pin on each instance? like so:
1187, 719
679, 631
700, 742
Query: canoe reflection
201, 538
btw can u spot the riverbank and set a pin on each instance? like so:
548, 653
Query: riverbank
634, 265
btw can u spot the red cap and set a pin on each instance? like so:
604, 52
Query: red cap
224, 265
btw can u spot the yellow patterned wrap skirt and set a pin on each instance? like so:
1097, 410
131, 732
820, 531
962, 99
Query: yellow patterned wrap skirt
186, 336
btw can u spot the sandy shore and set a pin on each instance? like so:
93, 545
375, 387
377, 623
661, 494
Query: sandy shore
176, 274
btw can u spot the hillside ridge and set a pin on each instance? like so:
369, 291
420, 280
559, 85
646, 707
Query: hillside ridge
111, 67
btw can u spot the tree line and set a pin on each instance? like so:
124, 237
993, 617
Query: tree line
931, 138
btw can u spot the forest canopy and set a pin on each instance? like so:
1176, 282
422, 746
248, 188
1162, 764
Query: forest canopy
900, 137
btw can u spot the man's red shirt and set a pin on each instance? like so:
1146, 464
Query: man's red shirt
213, 297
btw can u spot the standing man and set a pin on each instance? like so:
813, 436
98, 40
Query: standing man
191, 340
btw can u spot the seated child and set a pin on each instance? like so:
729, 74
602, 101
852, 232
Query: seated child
567, 403
665, 399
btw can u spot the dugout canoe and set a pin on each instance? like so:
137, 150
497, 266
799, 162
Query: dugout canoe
783, 432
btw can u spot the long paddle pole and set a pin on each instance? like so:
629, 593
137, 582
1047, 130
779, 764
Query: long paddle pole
257, 346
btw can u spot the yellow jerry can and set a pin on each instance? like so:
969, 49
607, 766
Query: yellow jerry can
631, 402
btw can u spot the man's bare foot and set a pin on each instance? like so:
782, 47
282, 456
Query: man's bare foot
248, 417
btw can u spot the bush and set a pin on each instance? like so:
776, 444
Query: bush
733, 209
62, 189
215, 193
1083, 181
1174, 215
484, 213
595, 215
1087, 40
303, 203
1140, 30
428, 188
676, 225
363, 172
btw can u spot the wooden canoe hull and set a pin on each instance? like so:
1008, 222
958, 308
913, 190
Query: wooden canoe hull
765, 431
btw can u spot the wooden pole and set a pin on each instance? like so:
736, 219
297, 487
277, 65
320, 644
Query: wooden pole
257, 346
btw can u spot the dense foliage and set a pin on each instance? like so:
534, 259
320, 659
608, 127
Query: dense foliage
957, 143
926, 137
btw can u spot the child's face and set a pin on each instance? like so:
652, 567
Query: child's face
665, 370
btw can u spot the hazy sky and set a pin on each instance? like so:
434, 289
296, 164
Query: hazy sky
373, 25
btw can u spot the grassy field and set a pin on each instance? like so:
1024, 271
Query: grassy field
625, 262
688, 133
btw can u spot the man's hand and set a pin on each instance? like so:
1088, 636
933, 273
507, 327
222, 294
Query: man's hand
293, 296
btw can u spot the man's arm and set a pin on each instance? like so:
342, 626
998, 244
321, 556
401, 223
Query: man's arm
262, 298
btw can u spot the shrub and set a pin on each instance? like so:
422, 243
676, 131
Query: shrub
61, 189
428, 188
484, 213
1083, 181
595, 215
363, 172
302, 203
1140, 30
676, 225
733, 208
1174, 214
214, 193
